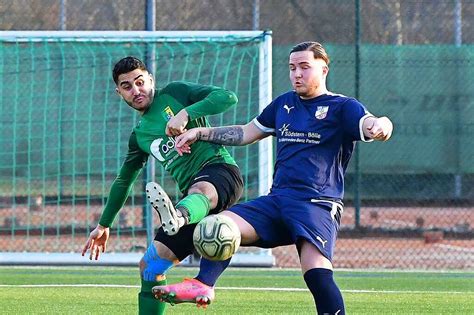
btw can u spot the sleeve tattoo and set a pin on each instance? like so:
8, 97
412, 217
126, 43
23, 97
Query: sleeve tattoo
224, 135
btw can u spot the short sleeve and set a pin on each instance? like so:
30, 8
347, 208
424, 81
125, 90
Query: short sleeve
266, 120
353, 115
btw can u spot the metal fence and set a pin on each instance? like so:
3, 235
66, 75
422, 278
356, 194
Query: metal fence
409, 202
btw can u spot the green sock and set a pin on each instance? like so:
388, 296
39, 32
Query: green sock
196, 205
147, 304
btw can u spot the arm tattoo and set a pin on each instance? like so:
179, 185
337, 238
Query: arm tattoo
224, 135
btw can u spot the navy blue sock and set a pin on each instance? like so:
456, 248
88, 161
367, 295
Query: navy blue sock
209, 271
326, 294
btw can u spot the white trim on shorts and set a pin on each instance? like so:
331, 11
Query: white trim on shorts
335, 206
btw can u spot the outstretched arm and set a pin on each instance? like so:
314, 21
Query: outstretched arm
229, 135
97, 241
377, 128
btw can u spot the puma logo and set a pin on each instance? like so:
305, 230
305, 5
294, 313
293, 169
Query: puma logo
321, 240
288, 108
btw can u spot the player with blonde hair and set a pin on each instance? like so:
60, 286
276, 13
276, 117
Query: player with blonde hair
316, 132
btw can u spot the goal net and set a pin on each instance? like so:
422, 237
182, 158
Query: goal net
65, 133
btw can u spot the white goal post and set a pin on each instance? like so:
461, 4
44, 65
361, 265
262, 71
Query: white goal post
51, 206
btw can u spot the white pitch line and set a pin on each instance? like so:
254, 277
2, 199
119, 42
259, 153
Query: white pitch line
349, 291
222, 288
68, 286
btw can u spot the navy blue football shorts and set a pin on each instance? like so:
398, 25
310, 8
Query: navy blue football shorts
280, 220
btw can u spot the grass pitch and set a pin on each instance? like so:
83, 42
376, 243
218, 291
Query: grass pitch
113, 290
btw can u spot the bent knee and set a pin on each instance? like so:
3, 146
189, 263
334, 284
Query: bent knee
247, 232
207, 189
311, 257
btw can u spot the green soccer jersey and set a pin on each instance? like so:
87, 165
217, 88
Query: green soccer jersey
149, 137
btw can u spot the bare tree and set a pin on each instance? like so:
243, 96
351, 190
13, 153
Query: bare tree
383, 21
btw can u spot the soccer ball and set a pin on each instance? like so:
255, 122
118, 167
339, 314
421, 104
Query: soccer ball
216, 237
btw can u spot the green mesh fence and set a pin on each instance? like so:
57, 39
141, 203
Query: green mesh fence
64, 134
416, 190
64, 130
427, 91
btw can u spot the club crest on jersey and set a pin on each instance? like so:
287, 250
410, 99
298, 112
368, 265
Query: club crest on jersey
168, 113
321, 112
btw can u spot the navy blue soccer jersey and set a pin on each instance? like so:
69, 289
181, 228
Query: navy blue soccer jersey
315, 141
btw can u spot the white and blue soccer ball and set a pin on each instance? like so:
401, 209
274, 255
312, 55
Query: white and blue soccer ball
216, 237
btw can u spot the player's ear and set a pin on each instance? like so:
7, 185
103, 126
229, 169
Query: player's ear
118, 92
325, 69
152, 80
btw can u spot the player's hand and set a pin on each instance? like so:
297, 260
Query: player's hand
177, 124
381, 129
184, 149
184, 141
97, 242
